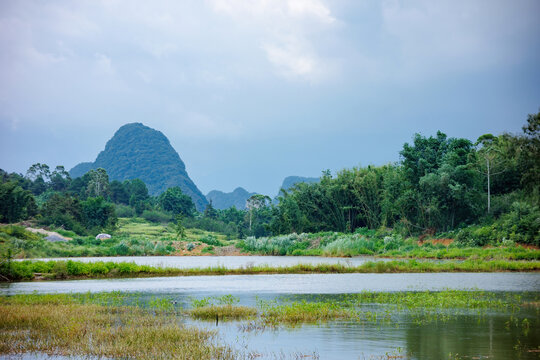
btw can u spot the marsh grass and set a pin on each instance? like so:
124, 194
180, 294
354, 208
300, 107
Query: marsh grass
366, 307
220, 308
53, 324
223, 312
121, 325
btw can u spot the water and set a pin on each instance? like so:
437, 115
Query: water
288, 283
495, 335
475, 337
230, 262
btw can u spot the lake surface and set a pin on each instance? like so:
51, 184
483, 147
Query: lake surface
492, 335
288, 283
470, 336
230, 262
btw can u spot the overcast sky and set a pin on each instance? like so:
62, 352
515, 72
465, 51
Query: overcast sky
251, 91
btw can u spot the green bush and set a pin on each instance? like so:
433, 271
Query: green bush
76, 268
350, 245
160, 249
123, 211
279, 245
59, 270
210, 240
99, 268
121, 249
19, 232
156, 216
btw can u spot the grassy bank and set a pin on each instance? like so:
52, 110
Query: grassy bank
62, 324
138, 237
383, 243
133, 237
49, 270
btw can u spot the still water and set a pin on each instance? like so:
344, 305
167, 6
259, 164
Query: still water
492, 335
288, 283
230, 262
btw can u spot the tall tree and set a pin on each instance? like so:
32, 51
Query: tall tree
256, 202
491, 162
99, 183
15, 203
175, 201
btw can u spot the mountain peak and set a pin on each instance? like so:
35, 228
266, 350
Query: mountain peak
138, 151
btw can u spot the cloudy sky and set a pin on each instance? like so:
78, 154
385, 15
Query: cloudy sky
251, 91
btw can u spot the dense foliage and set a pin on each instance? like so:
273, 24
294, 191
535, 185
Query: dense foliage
479, 193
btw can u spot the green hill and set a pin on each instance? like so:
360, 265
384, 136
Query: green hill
137, 151
221, 200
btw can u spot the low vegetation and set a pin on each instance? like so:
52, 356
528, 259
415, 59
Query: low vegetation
373, 307
133, 237
86, 326
48, 270
383, 243
131, 325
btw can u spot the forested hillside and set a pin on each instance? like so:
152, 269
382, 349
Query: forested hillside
139, 152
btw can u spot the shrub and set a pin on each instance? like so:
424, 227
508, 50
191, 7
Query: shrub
76, 268
210, 240
156, 216
19, 232
349, 245
124, 211
121, 249
279, 245
99, 268
392, 242
160, 249
60, 270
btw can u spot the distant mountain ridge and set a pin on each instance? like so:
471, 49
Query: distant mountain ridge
221, 200
290, 181
138, 151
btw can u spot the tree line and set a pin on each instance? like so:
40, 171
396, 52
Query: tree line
483, 190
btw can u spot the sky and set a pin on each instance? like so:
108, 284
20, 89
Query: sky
249, 92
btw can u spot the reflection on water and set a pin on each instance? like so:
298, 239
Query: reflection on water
467, 336
289, 283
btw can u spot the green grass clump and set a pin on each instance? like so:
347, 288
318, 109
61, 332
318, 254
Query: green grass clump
303, 312
223, 312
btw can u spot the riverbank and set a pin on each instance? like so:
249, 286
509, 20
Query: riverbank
56, 270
